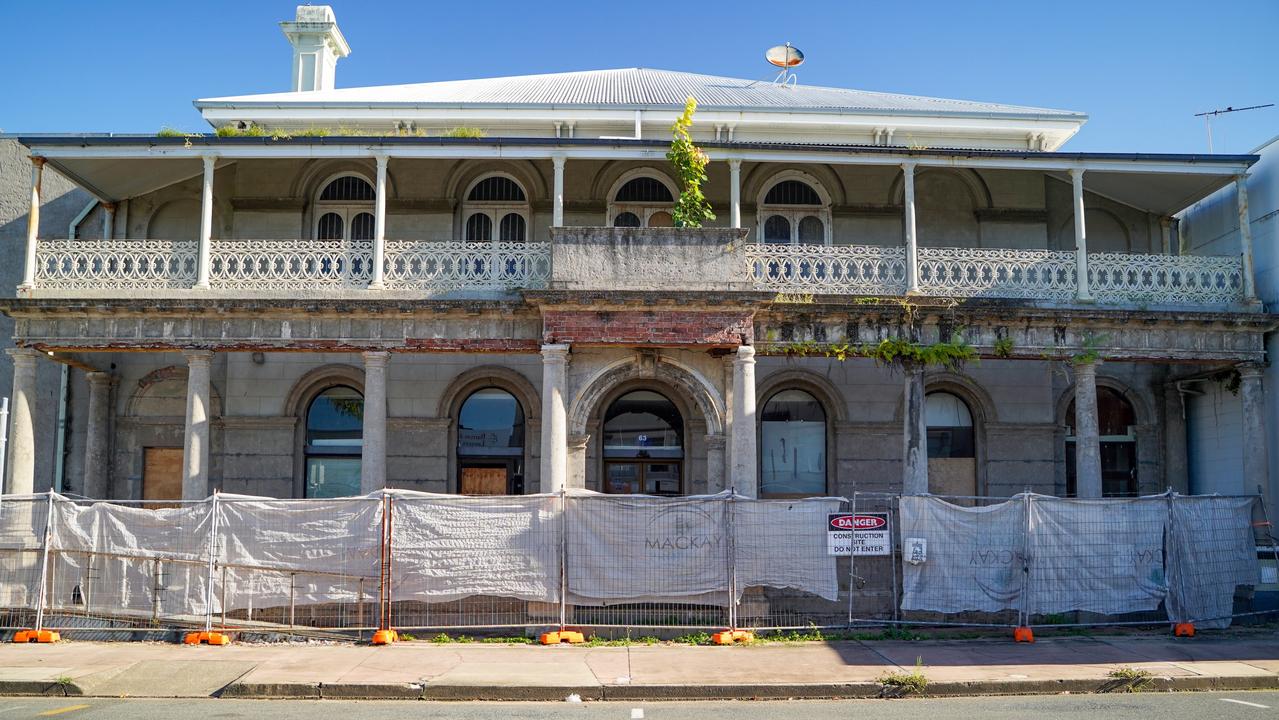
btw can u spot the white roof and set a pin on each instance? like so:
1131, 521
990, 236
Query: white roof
637, 88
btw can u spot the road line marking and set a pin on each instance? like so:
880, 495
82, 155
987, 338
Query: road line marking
637, 713
59, 711
1242, 702
11, 709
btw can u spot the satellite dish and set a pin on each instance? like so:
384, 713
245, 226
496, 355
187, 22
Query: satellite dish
785, 57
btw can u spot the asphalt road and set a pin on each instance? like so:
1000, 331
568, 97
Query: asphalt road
1165, 706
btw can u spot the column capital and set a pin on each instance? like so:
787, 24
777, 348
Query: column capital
735, 163
98, 377
716, 441
1242, 177
558, 161
376, 358
555, 353
381, 159
108, 206
909, 166
1085, 367
1251, 370
745, 353
198, 357
23, 354
209, 159
38, 161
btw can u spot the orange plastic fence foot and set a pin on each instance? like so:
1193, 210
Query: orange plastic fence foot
1183, 630
385, 637
1023, 634
207, 638
730, 637
562, 636
36, 636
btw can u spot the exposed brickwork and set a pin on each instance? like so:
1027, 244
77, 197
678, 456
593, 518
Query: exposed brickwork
649, 327
478, 345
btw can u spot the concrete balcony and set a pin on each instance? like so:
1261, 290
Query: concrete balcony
626, 259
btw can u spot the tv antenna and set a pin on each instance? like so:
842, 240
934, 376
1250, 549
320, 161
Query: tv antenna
1207, 116
785, 57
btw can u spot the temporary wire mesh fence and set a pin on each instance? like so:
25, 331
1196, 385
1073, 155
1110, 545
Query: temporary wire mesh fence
615, 564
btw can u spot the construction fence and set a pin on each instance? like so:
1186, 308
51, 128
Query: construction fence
617, 564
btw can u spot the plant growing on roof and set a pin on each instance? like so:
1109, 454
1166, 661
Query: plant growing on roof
692, 208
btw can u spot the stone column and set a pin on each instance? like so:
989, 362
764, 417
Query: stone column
97, 434
914, 433
108, 220
1256, 454
373, 457
744, 477
1245, 238
554, 418
1165, 235
908, 223
1087, 444
206, 224
1176, 473
379, 226
33, 224
715, 445
195, 446
1084, 294
22, 431
557, 207
735, 198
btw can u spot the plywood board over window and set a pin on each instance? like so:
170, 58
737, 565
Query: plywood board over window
161, 475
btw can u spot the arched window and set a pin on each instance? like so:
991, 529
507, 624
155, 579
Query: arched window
793, 211
496, 209
344, 209
643, 445
950, 426
334, 442
792, 445
1116, 421
642, 199
490, 444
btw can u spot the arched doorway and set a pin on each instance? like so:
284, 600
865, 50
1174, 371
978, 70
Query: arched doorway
490, 444
952, 446
643, 445
334, 443
1116, 428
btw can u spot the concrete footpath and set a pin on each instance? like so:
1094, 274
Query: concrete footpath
480, 671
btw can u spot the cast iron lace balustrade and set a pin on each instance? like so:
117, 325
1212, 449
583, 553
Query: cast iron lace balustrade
310, 266
116, 265
1170, 279
1000, 273
828, 269
451, 266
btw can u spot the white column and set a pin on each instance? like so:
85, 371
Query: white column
1081, 235
914, 434
554, 418
1165, 235
557, 207
379, 225
33, 224
22, 432
195, 446
744, 476
1256, 454
1087, 444
108, 220
735, 185
206, 224
908, 220
1245, 238
96, 455
373, 457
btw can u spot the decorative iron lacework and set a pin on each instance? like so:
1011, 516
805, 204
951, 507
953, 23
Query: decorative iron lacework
828, 269
116, 264
1002, 273
445, 266
1176, 279
290, 264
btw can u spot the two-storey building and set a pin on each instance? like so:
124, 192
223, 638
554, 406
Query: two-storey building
475, 287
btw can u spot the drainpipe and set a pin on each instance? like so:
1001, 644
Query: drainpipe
60, 464
4, 437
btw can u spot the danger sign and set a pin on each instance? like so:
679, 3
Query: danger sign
861, 534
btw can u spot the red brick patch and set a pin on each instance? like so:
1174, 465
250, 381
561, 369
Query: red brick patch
648, 327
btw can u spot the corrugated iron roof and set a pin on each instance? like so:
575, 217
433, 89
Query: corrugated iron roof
639, 88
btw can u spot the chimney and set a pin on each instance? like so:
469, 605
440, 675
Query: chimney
317, 46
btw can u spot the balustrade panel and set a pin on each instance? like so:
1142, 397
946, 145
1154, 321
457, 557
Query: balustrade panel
828, 269
125, 265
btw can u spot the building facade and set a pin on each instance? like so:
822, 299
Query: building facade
475, 287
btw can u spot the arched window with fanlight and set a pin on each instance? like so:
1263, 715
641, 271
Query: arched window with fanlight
344, 209
1117, 433
794, 209
643, 199
792, 442
334, 443
643, 445
952, 447
490, 444
495, 209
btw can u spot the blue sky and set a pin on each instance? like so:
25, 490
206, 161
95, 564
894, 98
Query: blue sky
1139, 69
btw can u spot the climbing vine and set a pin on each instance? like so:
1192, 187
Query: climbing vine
692, 208
890, 352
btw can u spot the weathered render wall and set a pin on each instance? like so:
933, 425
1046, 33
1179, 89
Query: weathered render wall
61, 202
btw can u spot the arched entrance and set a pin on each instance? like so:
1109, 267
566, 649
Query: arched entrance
334, 443
643, 445
490, 444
